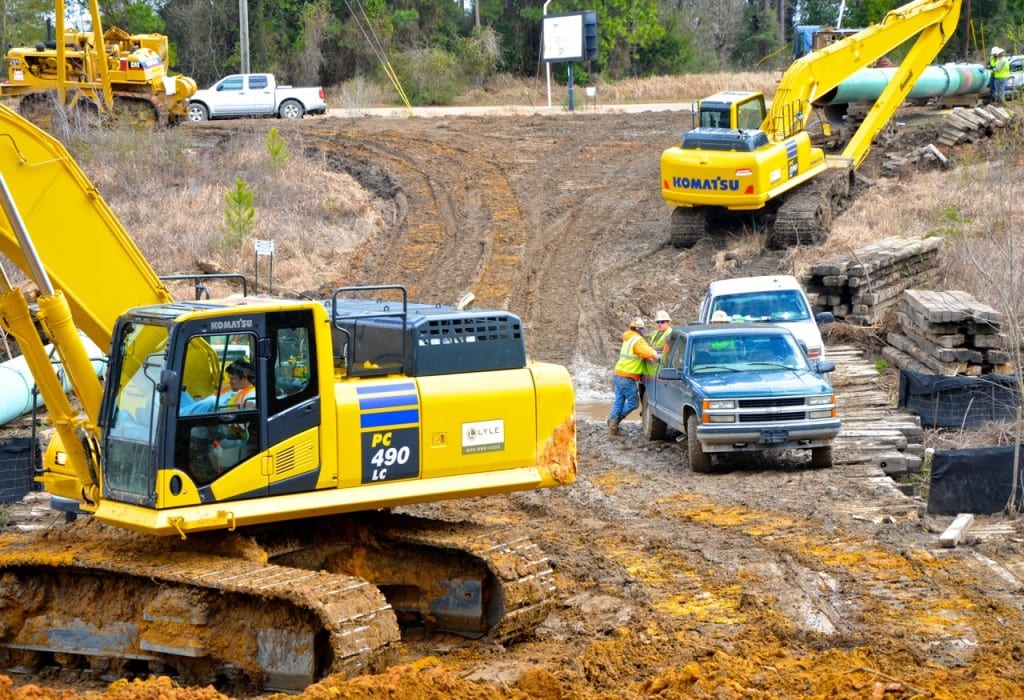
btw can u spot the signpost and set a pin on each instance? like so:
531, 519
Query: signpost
568, 38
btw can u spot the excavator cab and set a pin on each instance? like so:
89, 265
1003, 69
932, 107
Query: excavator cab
732, 109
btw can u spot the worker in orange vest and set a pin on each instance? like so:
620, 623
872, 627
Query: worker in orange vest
628, 370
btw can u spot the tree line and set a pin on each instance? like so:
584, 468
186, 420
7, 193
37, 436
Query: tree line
438, 48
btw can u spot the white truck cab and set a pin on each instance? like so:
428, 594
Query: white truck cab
768, 299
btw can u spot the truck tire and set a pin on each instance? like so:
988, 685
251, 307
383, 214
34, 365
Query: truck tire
821, 457
197, 112
700, 461
654, 428
291, 109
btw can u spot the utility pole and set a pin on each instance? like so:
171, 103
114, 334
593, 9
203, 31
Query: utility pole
243, 33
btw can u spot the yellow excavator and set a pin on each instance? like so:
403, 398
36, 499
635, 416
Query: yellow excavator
78, 77
742, 159
255, 544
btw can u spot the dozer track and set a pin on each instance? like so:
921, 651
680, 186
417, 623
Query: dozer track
122, 605
265, 609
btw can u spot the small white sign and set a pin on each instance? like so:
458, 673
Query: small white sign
483, 436
264, 247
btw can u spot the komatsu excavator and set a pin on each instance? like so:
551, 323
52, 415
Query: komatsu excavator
741, 159
255, 544
79, 76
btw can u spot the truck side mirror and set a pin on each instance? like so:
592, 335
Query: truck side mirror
824, 366
670, 374
824, 318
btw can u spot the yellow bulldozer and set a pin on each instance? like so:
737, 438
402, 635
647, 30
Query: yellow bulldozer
85, 76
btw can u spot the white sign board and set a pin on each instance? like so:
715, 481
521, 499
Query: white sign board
264, 247
563, 37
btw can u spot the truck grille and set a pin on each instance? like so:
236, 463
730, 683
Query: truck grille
772, 402
772, 417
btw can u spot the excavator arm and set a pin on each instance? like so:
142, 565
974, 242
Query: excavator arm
62, 235
810, 77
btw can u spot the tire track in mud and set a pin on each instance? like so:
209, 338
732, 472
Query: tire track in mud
459, 230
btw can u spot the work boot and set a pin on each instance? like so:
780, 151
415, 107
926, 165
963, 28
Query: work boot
613, 426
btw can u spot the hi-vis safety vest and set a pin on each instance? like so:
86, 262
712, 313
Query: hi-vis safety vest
628, 362
1001, 70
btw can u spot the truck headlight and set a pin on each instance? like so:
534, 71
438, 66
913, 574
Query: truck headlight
719, 404
821, 400
719, 418
814, 415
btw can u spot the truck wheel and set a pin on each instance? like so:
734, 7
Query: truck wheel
700, 461
821, 457
291, 109
653, 427
198, 113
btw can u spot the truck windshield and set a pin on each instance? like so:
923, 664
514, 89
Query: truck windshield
129, 471
771, 306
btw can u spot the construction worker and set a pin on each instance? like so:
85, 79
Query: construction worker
999, 65
663, 326
628, 370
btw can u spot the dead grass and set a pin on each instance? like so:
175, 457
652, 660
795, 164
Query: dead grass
175, 210
509, 90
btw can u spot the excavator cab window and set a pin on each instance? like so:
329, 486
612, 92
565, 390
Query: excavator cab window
714, 118
218, 429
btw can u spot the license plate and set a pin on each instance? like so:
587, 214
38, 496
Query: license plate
774, 437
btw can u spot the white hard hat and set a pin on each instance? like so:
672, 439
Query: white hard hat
996, 51
662, 315
637, 322
720, 316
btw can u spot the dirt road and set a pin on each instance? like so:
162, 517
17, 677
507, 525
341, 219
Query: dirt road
764, 580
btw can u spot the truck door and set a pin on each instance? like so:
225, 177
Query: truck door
260, 95
231, 96
670, 394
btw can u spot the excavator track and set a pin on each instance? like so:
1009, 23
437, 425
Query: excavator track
273, 608
122, 605
462, 578
805, 217
688, 226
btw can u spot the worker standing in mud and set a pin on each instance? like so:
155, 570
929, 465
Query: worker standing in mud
628, 370
657, 339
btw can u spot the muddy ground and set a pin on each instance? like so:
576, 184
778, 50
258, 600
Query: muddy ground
762, 580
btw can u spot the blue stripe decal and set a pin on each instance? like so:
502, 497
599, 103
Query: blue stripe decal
388, 418
386, 388
790, 148
371, 402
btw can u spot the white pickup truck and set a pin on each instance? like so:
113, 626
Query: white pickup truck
254, 95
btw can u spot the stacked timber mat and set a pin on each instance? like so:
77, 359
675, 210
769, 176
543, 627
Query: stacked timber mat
858, 287
962, 125
949, 333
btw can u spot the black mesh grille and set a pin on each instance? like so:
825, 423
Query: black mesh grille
770, 402
772, 417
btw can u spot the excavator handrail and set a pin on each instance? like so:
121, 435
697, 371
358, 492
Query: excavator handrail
933, 22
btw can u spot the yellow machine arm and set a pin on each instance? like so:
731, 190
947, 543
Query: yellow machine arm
57, 230
809, 77
73, 230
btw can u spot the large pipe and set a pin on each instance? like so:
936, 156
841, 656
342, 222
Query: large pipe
16, 383
867, 84
936, 81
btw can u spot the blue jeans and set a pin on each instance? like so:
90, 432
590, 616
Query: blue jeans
627, 398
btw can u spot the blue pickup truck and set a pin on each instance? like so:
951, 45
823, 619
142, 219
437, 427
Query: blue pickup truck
740, 387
